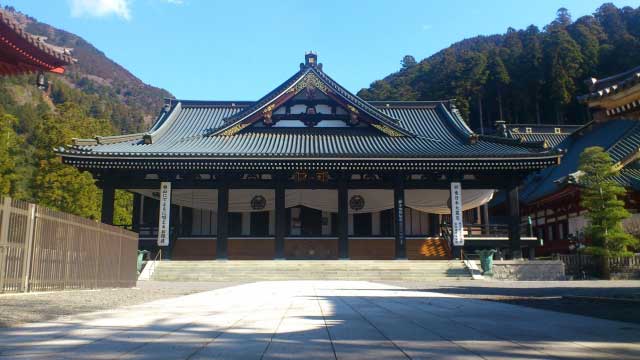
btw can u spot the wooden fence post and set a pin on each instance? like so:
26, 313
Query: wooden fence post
4, 239
119, 260
97, 259
27, 255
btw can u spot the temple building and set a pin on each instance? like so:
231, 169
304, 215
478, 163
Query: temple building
552, 197
311, 171
21, 52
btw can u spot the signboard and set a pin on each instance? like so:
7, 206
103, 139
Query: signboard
400, 214
165, 213
456, 214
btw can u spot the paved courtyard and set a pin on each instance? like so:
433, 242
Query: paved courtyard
322, 320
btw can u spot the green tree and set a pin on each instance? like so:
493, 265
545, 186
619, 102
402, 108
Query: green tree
475, 77
499, 79
601, 196
65, 188
123, 208
11, 145
531, 75
408, 61
564, 62
57, 185
563, 17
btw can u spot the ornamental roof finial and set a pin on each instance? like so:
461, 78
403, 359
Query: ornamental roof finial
311, 60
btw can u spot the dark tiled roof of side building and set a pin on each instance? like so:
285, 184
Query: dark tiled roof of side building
553, 135
610, 85
620, 138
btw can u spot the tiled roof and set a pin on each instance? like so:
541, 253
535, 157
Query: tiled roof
27, 52
419, 130
311, 71
611, 85
186, 128
629, 177
551, 134
620, 138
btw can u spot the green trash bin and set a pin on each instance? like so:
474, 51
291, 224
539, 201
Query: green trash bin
486, 261
141, 254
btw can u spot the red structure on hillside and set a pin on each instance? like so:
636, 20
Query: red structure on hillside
21, 52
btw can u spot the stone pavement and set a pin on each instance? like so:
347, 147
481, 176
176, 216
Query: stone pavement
322, 320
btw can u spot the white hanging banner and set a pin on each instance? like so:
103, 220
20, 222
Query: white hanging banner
165, 213
456, 214
433, 201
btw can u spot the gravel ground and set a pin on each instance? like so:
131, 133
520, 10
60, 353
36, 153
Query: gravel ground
33, 307
549, 295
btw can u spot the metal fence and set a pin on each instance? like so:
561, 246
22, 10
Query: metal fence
42, 249
582, 265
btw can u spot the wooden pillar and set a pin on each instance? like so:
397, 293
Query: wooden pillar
343, 219
135, 214
223, 221
434, 224
513, 212
398, 211
108, 198
281, 221
484, 215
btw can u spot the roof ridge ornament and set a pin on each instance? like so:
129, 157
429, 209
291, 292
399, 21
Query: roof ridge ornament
311, 60
310, 80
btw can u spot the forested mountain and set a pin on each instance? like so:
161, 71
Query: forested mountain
129, 103
95, 96
522, 76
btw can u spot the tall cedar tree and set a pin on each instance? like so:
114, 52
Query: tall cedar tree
546, 69
601, 197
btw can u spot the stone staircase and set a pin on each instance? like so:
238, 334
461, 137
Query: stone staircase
371, 270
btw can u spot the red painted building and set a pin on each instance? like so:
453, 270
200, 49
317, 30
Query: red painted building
21, 52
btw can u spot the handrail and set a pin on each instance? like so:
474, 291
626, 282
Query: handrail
157, 258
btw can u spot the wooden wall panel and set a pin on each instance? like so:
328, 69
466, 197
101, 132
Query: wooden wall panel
430, 248
251, 249
194, 249
317, 249
372, 249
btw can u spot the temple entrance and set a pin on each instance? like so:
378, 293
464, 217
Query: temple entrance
310, 223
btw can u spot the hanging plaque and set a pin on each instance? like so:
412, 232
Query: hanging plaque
165, 213
456, 214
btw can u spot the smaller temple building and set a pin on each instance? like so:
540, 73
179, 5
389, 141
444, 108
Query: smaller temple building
552, 197
311, 171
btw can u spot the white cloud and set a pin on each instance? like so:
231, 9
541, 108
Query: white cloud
426, 27
100, 8
174, 2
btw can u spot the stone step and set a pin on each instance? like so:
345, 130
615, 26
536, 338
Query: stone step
254, 270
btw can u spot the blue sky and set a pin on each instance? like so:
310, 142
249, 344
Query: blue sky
239, 50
